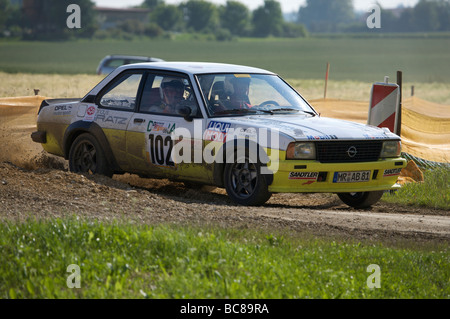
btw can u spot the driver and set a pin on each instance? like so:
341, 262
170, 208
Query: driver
173, 92
239, 99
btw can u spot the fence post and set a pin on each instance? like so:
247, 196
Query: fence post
399, 119
326, 81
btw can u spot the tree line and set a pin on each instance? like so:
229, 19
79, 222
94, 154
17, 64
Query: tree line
231, 19
46, 19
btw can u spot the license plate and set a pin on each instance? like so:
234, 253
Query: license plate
351, 177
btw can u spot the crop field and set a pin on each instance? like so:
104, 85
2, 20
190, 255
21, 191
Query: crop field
421, 59
78, 85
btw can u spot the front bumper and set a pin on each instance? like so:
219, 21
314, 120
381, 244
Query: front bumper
315, 177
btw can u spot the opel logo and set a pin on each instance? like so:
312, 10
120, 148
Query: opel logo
351, 152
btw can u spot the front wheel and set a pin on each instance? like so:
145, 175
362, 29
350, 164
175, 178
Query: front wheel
86, 156
245, 184
362, 199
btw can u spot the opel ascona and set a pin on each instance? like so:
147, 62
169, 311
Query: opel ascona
237, 127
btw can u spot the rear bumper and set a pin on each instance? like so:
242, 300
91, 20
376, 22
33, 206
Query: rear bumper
39, 137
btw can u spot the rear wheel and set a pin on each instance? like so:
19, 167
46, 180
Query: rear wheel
245, 184
362, 199
86, 156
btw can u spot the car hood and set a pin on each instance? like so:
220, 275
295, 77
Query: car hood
301, 127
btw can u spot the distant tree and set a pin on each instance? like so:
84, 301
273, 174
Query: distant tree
268, 19
389, 22
405, 23
326, 15
444, 15
426, 16
201, 15
152, 3
47, 19
235, 17
168, 17
4, 13
294, 30
132, 26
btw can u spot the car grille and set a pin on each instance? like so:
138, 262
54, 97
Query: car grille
356, 151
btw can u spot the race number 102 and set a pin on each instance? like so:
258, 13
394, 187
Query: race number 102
161, 150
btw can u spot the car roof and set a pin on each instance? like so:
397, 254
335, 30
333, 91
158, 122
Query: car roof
195, 68
121, 56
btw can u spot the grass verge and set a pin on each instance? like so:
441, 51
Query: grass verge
121, 260
433, 192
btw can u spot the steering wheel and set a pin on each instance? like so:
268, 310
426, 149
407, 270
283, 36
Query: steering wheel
270, 102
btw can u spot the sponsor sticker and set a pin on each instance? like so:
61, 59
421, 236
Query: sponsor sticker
392, 172
216, 131
91, 112
62, 110
160, 127
321, 137
373, 137
312, 176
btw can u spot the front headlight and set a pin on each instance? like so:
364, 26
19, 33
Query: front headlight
391, 149
301, 150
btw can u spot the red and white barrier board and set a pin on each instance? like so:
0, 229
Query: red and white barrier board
384, 106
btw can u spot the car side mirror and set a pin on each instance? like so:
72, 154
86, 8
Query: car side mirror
186, 111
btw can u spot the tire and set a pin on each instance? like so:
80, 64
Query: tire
87, 156
360, 200
244, 183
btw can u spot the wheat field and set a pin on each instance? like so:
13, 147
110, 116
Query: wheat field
73, 86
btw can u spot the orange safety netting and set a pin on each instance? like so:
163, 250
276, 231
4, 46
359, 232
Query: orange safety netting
425, 125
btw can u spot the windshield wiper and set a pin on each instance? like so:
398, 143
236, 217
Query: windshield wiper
289, 109
283, 109
236, 111
268, 111
309, 112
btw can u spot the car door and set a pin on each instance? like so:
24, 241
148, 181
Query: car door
116, 105
152, 138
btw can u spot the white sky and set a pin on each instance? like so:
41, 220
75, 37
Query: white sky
286, 5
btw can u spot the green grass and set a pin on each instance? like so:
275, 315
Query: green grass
359, 59
120, 260
434, 192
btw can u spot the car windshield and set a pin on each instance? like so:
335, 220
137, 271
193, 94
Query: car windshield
242, 94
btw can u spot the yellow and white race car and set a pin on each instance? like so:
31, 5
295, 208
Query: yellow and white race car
231, 126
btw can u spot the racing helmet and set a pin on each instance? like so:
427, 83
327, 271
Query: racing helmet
171, 82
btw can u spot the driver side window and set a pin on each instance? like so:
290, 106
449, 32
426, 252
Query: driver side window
168, 94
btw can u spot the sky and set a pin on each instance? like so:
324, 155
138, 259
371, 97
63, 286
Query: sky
286, 5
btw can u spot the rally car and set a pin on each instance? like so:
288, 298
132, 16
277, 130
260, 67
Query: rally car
237, 127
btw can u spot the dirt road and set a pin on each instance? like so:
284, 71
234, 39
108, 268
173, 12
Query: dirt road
34, 184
